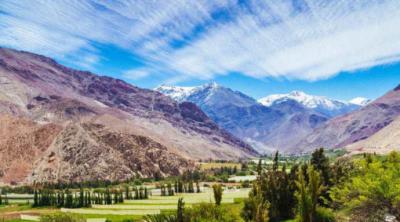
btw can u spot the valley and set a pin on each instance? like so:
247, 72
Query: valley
109, 151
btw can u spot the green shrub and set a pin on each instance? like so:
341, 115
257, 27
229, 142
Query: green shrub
372, 190
207, 212
160, 218
217, 188
324, 215
61, 218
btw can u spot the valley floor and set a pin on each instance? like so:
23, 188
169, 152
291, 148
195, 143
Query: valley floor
130, 209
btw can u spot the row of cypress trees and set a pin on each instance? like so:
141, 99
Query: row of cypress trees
3, 200
67, 199
179, 187
137, 193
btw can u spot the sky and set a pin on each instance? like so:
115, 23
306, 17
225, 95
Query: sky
339, 49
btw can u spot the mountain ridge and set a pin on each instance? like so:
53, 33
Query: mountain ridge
324, 105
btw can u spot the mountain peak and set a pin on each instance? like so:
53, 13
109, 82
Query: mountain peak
361, 101
298, 93
212, 84
320, 104
181, 93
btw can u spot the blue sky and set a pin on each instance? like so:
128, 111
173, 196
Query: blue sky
339, 49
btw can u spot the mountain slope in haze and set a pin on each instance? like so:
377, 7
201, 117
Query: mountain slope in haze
320, 104
38, 90
266, 128
355, 126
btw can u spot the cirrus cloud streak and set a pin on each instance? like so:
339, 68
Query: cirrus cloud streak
294, 39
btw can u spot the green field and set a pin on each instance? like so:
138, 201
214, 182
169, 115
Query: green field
130, 209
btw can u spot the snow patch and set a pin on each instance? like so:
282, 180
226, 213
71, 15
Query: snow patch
361, 101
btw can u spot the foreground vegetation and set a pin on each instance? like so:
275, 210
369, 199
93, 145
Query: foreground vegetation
319, 188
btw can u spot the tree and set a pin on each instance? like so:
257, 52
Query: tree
275, 188
5, 199
136, 193
176, 186
146, 193
180, 211
308, 194
127, 192
256, 208
321, 163
89, 199
141, 193
276, 161
35, 199
70, 200
180, 187
217, 189
108, 197
303, 200
190, 187
259, 167
198, 187
169, 189
81, 198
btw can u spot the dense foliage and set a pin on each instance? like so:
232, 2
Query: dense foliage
372, 192
204, 212
274, 188
356, 189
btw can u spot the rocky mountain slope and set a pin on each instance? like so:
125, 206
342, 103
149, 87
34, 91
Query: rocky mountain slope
278, 126
320, 104
358, 125
80, 113
382, 142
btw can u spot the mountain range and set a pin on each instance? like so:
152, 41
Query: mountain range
323, 105
275, 122
61, 124
297, 122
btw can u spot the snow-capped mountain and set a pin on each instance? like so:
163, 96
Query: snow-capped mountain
178, 93
320, 104
210, 94
361, 101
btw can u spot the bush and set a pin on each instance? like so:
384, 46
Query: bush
207, 212
61, 218
217, 188
160, 218
372, 190
324, 215
246, 184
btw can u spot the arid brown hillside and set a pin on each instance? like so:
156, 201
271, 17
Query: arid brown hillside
356, 126
89, 116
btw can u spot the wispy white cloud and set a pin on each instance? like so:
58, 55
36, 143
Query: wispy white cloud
302, 39
136, 74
